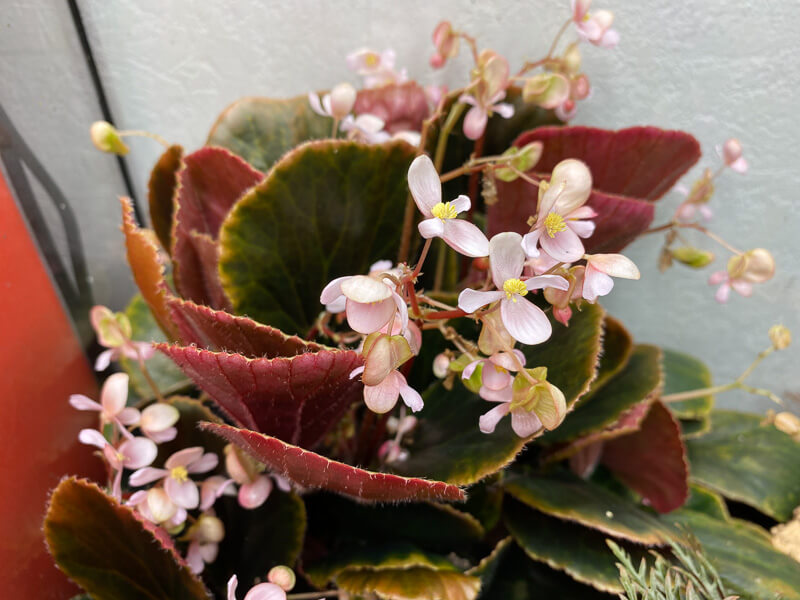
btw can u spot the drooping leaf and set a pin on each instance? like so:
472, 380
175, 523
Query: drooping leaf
257, 540
262, 130
683, 373
218, 330
327, 209
148, 272
748, 461
161, 193
743, 556
297, 399
165, 374
578, 551
107, 550
639, 381
309, 469
652, 460
566, 496
396, 572
705, 501
617, 348
210, 181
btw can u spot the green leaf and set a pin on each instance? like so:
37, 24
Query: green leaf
705, 501
103, 547
397, 572
580, 552
681, 374
639, 381
327, 209
160, 194
744, 557
261, 130
166, 375
569, 497
617, 348
692, 428
748, 461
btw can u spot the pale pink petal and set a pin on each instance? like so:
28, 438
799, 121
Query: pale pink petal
410, 396
525, 423
337, 306
128, 416
718, 277
146, 475
583, 229
467, 99
266, 591
506, 359
723, 293
745, 288
184, 457
193, 558
471, 300
209, 552
565, 247
283, 484
525, 321
159, 437
92, 437
114, 394
504, 395
461, 204
706, 211
547, 281
116, 486
686, 211
470, 369
139, 452
489, 420
596, 284
504, 109
356, 372
182, 493
615, 265
81, 402
208, 461
430, 228
332, 291
364, 289
369, 318
582, 212
145, 350
506, 257
424, 183
158, 417
530, 243
380, 266
495, 377
381, 398
609, 39
316, 105
253, 495
211, 489
739, 165
233, 582
465, 238
104, 359
475, 122
136, 498
402, 309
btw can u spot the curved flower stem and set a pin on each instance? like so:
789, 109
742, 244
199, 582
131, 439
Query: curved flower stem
142, 133
315, 595
524, 176
422, 257
529, 65
697, 227
150, 381
444, 133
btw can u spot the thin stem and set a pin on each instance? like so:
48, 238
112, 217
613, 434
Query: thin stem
755, 363
142, 133
445, 315
441, 258
473, 45
449, 123
524, 176
334, 128
422, 257
408, 225
696, 226
558, 37
148, 378
436, 303
315, 595
690, 394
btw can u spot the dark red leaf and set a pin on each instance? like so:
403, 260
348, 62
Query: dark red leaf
296, 399
218, 330
210, 182
652, 460
309, 469
638, 162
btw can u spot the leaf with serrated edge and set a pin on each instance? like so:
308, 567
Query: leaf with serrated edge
569, 497
328, 209
218, 330
105, 548
748, 461
309, 469
297, 399
639, 381
161, 193
683, 373
617, 348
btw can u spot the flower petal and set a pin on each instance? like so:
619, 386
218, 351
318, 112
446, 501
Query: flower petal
461, 204
723, 293
424, 183
546, 281
525, 423
332, 291
745, 288
595, 283
615, 265
104, 359
506, 257
159, 437
158, 417
206, 463
471, 300
430, 228
253, 495
184, 457
81, 402
139, 452
489, 420
495, 377
364, 289
381, 398
369, 318
410, 396
129, 416
470, 369
211, 489
465, 238
565, 247
475, 122
530, 243
582, 229
182, 493
504, 395
504, 109
92, 437
114, 394
316, 105
266, 591
525, 321
146, 475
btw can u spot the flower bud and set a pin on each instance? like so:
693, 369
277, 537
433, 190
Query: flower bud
525, 159
343, 98
240, 467
283, 577
112, 329
692, 257
161, 508
572, 59
382, 355
548, 90
441, 365
780, 336
107, 139
580, 88
208, 530
544, 399
731, 151
754, 266
446, 41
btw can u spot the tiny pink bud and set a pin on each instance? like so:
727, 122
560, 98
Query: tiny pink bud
283, 577
441, 365
343, 98
731, 151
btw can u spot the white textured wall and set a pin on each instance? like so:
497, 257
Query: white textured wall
715, 68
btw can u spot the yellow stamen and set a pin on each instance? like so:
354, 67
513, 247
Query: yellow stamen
554, 223
180, 474
372, 59
444, 210
514, 286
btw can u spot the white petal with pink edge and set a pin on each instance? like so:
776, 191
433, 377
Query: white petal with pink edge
565, 246
424, 183
525, 423
465, 238
471, 300
183, 493
524, 321
369, 318
488, 421
506, 257
595, 283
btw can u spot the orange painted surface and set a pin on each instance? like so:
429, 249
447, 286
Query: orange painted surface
42, 364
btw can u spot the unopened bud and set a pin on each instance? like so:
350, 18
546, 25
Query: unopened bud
692, 257
107, 139
445, 39
754, 266
112, 329
343, 98
525, 159
572, 59
383, 354
702, 189
544, 399
731, 151
788, 423
441, 365
780, 336
283, 577
160, 506
548, 90
580, 87
208, 530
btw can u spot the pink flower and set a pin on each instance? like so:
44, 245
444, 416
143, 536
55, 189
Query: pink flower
732, 155
600, 268
214, 487
595, 27
445, 39
377, 69
155, 506
370, 302
365, 128
114, 332
754, 266
204, 535
382, 398
488, 91
179, 487
157, 422
254, 486
112, 406
524, 320
441, 217
697, 198
262, 591
133, 453
495, 377
559, 222
337, 104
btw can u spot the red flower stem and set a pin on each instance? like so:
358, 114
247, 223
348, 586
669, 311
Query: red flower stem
445, 314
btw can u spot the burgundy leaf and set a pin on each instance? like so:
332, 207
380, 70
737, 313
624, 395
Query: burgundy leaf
297, 399
638, 162
218, 330
652, 460
403, 107
309, 469
161, 193
209, 183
